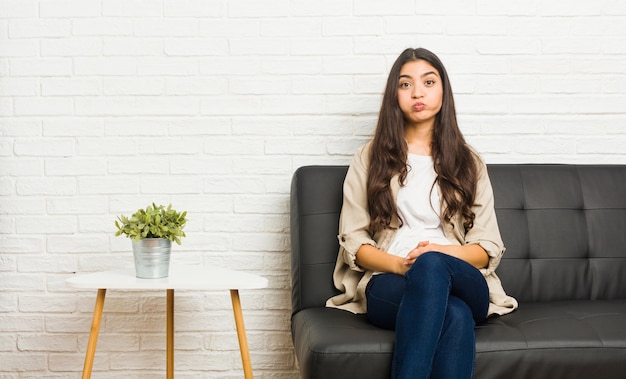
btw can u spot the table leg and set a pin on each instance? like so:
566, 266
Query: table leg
170, 334
93, 334
241, 334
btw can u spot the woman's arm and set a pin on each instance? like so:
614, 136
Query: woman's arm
372, 258
485, 232
473, 254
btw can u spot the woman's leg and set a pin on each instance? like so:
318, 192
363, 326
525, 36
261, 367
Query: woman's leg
428, 322
457, 345
384, 293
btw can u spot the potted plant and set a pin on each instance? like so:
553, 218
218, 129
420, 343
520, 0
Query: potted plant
152, 231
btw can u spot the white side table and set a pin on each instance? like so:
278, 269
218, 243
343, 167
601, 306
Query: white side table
180, 278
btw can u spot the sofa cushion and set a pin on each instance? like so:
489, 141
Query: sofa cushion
569, 339
559, 339
332, 343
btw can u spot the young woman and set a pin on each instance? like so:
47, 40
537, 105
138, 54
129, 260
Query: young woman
419, 239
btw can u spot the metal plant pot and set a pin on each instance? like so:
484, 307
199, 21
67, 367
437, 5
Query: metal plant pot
152, 257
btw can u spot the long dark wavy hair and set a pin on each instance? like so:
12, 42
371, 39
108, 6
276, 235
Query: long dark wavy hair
454, 162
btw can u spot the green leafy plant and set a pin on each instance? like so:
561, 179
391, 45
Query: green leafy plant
153, 222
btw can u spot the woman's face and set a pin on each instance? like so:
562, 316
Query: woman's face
420, 93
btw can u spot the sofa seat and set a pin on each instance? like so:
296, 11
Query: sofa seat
558, 339
328, 339
528, 343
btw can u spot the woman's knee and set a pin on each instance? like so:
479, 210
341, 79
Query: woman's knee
429, 262
384, 293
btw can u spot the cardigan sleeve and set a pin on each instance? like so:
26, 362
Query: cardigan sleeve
485, 231
354, 219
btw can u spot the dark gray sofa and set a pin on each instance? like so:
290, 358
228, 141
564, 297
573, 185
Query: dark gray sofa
564, 227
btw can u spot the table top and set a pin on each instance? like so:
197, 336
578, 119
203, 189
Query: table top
180, 277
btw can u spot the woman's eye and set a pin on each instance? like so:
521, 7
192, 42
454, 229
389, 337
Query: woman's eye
430, 82
405, 85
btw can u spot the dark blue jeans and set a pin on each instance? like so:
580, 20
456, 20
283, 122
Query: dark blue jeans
433, 309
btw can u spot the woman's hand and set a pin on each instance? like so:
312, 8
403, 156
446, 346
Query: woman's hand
421, 248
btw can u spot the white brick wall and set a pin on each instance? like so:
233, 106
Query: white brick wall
107, 105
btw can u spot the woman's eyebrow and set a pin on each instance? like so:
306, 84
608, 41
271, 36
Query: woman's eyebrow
423, 75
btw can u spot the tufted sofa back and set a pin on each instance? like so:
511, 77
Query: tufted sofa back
564, 227
316, 199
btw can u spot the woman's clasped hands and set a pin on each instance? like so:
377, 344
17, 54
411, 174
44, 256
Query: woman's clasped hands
421, 248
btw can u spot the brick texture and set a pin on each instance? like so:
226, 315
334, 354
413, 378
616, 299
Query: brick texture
108, 105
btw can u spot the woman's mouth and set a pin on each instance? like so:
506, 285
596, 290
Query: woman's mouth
418, 107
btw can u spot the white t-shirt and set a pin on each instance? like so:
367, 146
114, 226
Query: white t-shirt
419, 208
